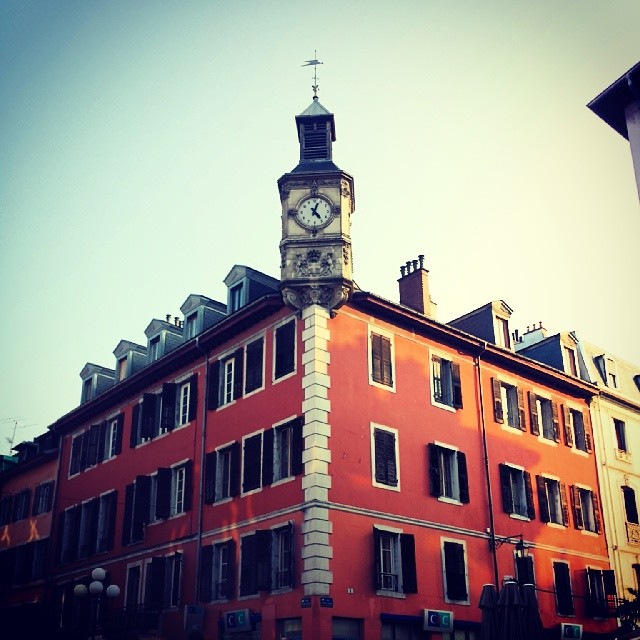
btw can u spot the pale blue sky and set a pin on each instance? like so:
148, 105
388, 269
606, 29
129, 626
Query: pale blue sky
141, 142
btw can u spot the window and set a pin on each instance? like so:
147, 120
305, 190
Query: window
184, 393
162, 582
87, 533
254, 365
284, 359
394, 562
282, 451
524, 570
502, 335
252, 462
543, 416
282, 557
132, 594
5, 509
121, 369
601, 593
381, 360
236, 297
68, 532
87, 388
630, 505
448, 473
21, 505
111, 438
225, 380
217, 571
446, 388
552, 498
191, 326
180, 497
586, 510
570, 360
154, 349
105, 528
509, 400
384, 456
345, 629
575, 430
24, 563
255, 554
612, 374
517, 494
621, 435
43, 498
564, 594
222, 473
455, 572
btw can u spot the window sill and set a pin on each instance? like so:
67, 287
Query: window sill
580, 452
442, 405
510, 429
253, 392
460, 602
380, 385
591, 534
391, 594
556, 525
286, 376
275, 483
517, 516
548, 441
388, 487
449, 501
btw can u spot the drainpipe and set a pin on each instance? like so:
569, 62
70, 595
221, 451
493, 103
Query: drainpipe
485, 451
203, 433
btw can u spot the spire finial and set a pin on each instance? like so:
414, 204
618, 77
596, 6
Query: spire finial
314, 63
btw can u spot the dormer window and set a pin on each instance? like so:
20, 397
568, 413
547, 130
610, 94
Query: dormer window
154, 349
607, 369
121, 370
87, 387
502, 333
570, 361
191, 326
235, 297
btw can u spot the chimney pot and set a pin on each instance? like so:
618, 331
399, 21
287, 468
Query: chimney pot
421, 259
167, 317
415, 265
408, 263
403, 270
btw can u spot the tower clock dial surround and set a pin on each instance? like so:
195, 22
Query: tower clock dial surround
313, 212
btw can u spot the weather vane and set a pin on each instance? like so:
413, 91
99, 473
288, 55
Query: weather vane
314, 63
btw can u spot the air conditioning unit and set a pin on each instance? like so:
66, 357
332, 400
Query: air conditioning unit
570, 630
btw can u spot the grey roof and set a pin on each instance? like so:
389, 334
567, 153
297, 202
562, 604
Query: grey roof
316, 109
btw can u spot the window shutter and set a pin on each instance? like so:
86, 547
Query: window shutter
588, 432
94, 512
49, 501
564, 597
385, 457
386, 362
168, 404
596, 511
292, 556
163, 493
206, 573
154, 595
92, 445
193, 397
564, 504
463, 479
377, 561
141, 499
522, 424
101, 440
455, 571
252, 458
253, 376
297, 445
556, 421
148, 426
238, 374
128, 514
531, 510
210, 463
229, 575
76, 448
505, 488
630, 506
112, 501
524, 569
235, 469
609, 581
135, 426
119, 429
59, 539
285, 349
408, 557
435, 481
543, 500
35, 508
578, 519
248, 566
498, 411
263, 556
267, 457
568, 430
376, 357
84, 450
188, 485
533, 414
456, 385
213, 389
74, 532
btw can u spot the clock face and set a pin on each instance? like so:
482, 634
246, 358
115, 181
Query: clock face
313, 213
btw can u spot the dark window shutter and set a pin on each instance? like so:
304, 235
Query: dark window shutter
564, 598
229, 576
135, 426
119, 429
588, 433
253, 376
235, 469
609, 581
59, 539
206, 573
148, 428
112, 500
435, 482
101, 440
456, 385
193, 397
568, 429
263, 556
74, 532
92, 445
128, 514
531, 509
522, 420
498, 411
76, 449
84, 451
238, 375
248, 566
505, 488
596, 511
292, 556
213, 388
188, 485
408, 556
385, 457
376, 357
267, 457
556, 422
168, 406
543, 501
35, 508
533, 414
49, 502
463, 479
210, 463
297, 445
454, 567
564, 504
141, 498
251, 468
630, 507
576, 504
377, 562
285, 349
154, 596
94, 512
163, 493
524, 569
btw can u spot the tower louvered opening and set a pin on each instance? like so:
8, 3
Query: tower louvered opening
316, 142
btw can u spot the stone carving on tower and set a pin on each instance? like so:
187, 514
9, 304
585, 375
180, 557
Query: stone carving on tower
317, 202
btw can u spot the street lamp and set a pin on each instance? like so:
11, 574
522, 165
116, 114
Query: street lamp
96, 590
520, 546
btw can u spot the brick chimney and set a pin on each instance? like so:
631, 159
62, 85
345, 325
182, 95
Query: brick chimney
414, 288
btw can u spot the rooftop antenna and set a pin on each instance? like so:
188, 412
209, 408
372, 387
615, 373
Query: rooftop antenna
314, 63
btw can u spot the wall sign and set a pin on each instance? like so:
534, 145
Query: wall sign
570, 630
237, 620
434, 620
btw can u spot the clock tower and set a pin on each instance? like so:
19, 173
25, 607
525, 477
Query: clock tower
317, 202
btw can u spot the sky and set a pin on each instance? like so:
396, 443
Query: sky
141, 143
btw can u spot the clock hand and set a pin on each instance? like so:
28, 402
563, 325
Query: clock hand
314, 211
